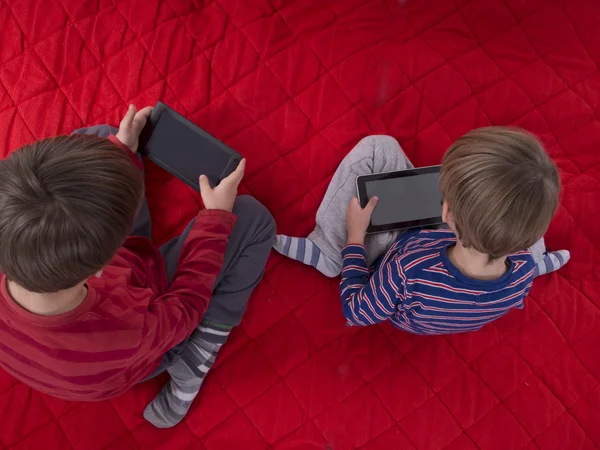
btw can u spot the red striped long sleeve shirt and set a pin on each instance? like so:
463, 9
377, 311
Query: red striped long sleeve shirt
131, 316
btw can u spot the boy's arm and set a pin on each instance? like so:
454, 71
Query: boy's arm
367, 300
132, 156
179, 311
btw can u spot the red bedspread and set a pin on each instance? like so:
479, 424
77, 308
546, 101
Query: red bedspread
293, 84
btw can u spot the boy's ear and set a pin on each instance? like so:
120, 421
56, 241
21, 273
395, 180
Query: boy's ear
445, 211
448, 217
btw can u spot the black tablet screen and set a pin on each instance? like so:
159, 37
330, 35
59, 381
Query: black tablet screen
418, 195
190, 152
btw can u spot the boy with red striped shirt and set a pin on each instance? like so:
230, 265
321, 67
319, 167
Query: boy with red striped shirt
500, 191
89, 306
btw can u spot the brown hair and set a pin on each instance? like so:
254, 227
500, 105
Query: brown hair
502, 189
66, 206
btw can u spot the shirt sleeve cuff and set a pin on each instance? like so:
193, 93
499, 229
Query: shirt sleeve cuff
354, 250
226, 216
355, 261
134, 158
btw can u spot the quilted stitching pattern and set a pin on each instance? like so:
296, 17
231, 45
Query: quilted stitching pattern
293, 84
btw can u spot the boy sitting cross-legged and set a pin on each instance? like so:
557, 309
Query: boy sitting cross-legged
89, 306
500, 191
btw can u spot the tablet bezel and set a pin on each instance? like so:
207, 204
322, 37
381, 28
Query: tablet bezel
361, 191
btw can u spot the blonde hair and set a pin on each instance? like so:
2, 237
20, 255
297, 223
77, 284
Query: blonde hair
502, 189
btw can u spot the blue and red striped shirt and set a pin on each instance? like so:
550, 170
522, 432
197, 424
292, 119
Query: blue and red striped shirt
416, 287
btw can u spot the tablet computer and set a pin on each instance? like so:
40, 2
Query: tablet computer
407, 198
184, 149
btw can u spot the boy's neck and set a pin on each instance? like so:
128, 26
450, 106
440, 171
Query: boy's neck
50, 304
474, 264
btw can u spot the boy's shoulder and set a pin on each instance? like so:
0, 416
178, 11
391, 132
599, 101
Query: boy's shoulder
522, 262
421, 249
422, 254
436, 234
425, 236
428, 241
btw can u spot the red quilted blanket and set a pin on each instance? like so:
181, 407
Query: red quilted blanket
293, 84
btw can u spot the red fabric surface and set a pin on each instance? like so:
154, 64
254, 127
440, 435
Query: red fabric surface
293, 85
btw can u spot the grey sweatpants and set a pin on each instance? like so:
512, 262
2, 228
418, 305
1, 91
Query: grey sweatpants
372, 154
245, 258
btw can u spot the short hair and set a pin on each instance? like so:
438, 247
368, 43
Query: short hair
66, 206
502, 189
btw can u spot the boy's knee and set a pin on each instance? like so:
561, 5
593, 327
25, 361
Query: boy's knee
378, 147
370, 143
251, 211
383, 152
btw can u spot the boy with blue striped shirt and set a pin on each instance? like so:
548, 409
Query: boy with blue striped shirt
500, 191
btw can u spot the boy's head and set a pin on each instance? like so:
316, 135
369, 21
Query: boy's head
500, 190
66, 206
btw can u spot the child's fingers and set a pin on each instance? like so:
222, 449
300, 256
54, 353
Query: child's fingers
129, 116
141, 118
236, 176
371, 205
143, 114
204, 185
239, 170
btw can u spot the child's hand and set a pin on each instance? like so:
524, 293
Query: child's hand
131, 126
357, 220
223, 196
